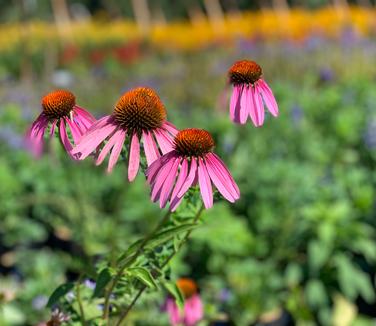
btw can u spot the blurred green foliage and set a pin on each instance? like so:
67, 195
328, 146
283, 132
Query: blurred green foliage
303, 232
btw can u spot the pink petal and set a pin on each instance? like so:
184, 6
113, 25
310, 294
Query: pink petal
268, 97
173, 311
34, 137
52, 130
64, 138
116, 150
164, 140
134, 158
160, 179
170, 128
189, 180
153, 169
82, 112
89, 142
193, 310
245, 104
181, 178
168, 184
76, 132
235, 103
258, 106
151, 150
106, 148
219, 180
222, 169
205, 184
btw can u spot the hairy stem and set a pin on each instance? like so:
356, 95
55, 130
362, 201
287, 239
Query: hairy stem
120, 272
80, 306
124, 314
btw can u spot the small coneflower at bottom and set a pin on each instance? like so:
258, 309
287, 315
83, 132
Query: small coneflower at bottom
192, 312
190, 162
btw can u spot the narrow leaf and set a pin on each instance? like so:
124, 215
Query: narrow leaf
103, 278
60, 291
175, 292
143, 275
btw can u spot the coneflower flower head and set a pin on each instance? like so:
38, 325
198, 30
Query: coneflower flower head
192, 160
250, 92
59, 109
138, 114
193, 310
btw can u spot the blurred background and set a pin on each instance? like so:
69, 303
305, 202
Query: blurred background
298, 248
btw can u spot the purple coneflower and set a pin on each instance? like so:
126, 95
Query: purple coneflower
192, 160
249, 93
59, 109
140, 115
193, 308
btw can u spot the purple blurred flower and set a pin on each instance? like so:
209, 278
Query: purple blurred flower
39, 302
296, 115
10, 137
370, 134
326, 74
89, 284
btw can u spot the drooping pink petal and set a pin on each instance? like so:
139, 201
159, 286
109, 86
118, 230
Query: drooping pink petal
134, 158
106, 148
64, 137
161, 178
258, 106
183, 173
151, 150
82, 112
205, 184
235, 103
154, 168
164, 140
168, 184
170, 128
222, 169
193, 310
116, 150
76, 132
89, 142
34, 137
53, 126
268, 97
219, 180
173, 312
245, 104
189, 180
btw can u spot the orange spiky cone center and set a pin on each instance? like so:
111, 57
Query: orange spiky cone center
187, 286
193, 142
140, 109
244, 72
58, 104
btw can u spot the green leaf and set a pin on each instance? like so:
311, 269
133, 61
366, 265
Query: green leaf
315, 293
103, 278
175, 292
59, 292
168, 234
131, 249
318, 254
143, 275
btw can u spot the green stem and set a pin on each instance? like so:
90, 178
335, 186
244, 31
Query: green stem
118, 275
80, 306
126, 311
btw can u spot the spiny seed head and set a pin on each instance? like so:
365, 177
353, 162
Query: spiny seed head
244, 72
187, 286
58, 104
193, 142
140, 109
